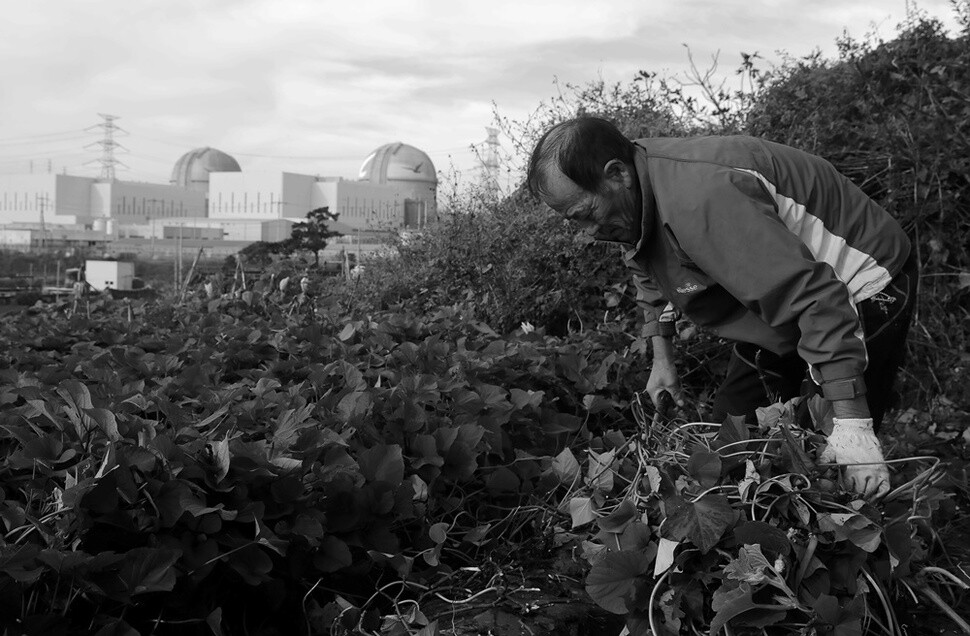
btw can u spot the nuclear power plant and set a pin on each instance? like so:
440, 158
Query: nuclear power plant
211, 201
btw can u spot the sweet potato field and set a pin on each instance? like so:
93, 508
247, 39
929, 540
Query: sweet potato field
404, 453
232, 467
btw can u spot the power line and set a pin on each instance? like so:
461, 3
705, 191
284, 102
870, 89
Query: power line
24, 159
330, 157
106, 144
136, 155
14, 141
297, 157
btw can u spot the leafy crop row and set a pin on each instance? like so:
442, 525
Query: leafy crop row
231, 466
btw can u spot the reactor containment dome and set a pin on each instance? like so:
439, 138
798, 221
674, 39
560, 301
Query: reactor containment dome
192, 170
397, 162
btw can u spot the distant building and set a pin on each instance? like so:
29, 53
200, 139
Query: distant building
209, 198
49, 202
395, 189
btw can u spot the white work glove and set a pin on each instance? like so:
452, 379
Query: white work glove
854, 445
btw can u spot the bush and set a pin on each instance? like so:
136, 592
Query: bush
508, 261
894, 117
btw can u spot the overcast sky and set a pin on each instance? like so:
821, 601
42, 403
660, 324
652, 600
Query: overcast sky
313, 86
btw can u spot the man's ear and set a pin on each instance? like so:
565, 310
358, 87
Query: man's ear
617, 172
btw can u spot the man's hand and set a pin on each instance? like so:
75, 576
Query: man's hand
853, 444
663, 378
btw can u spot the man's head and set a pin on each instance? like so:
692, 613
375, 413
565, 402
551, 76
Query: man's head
583, 169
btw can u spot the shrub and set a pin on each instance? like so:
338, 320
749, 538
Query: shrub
894, 117
507, 260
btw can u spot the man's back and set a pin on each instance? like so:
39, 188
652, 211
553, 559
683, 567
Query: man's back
830, 215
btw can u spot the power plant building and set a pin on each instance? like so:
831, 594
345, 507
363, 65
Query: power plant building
210, 198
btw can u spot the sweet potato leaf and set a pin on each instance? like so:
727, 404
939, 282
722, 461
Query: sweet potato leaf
750, 566
145, 570
104, 420
772, 540
855, 528
220, 458
729, 601
615, 580
619, 518
251, 563
332, 555
734, 429
383, 462
565, 467
705, 467
599, 472
502, 479
288, 425
20, 563
526, 399
637, 536
702, 522
581, 511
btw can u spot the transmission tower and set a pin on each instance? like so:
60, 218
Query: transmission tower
108, 146
490, 160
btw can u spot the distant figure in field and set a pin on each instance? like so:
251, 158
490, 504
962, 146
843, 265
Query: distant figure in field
79, 292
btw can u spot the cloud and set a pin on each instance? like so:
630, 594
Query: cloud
315, 86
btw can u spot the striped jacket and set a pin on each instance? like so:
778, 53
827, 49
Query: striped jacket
762, 243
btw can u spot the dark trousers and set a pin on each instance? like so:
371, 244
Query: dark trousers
757, 377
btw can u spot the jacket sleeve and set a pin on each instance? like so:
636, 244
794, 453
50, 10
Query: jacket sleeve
734, 234
650, 300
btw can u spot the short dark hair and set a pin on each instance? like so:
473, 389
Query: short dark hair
580, 148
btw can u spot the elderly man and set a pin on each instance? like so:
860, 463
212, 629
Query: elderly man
761, 244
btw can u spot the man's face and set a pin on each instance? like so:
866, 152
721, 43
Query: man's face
611, 213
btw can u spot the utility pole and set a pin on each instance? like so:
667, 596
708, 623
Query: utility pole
151, 220
178, 266
41, 204
108, 146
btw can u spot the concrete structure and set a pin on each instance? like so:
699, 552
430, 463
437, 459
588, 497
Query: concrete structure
49, 200
212, 229
17, 236
210, 199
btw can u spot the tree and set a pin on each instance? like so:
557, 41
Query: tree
311, 235
259, 254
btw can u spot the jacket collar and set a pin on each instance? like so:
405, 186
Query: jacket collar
648, 217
